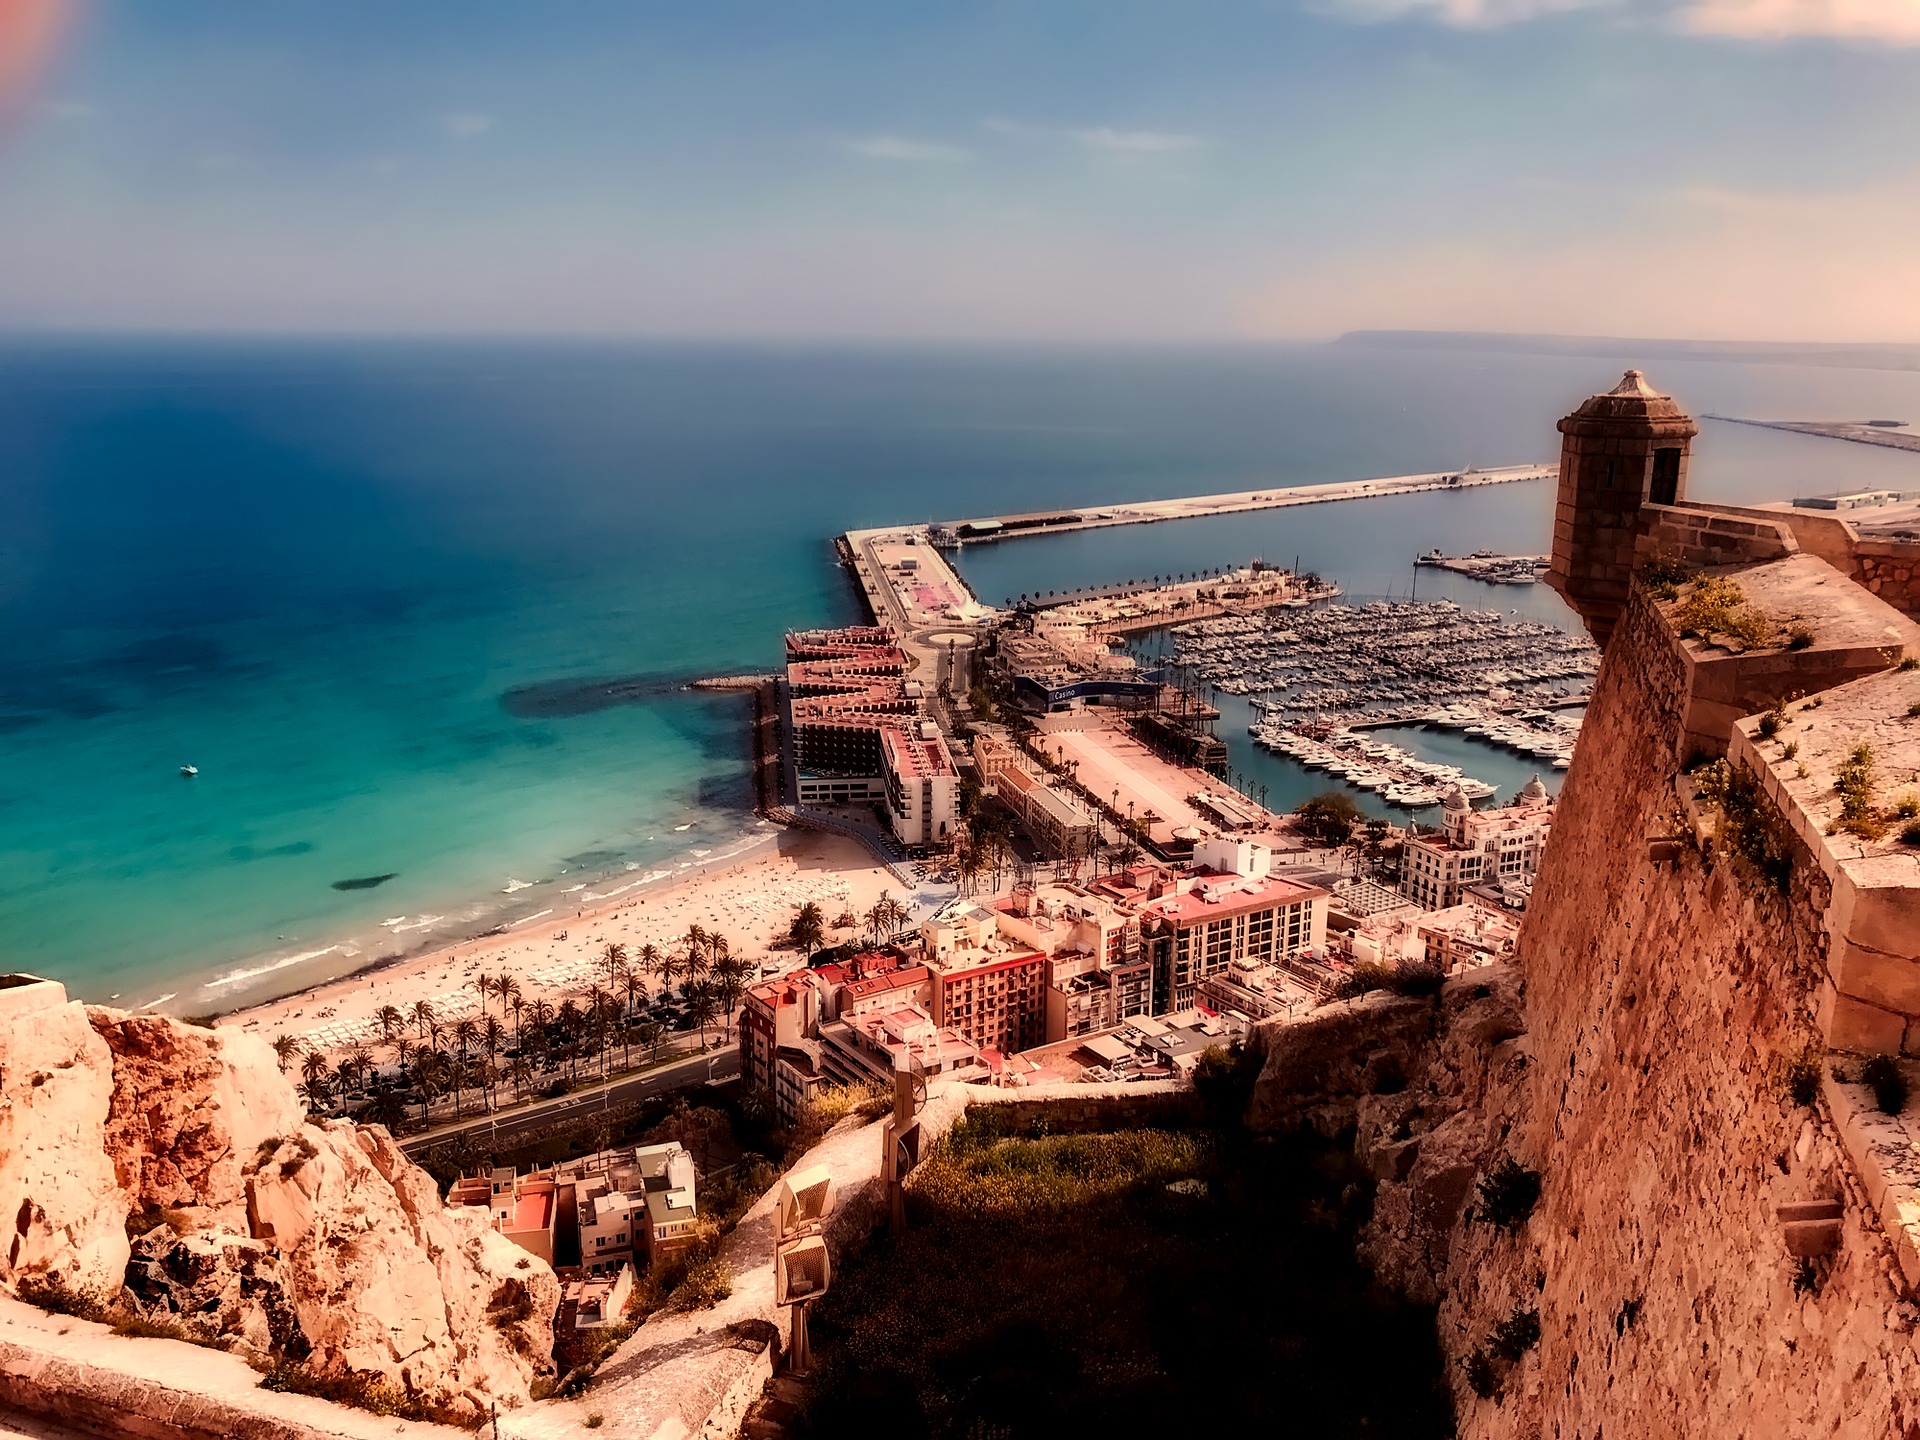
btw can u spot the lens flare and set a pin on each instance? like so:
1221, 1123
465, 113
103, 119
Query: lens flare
29, 31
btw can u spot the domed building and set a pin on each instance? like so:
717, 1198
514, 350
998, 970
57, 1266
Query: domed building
1496, 851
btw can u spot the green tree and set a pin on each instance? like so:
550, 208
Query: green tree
809, 928
1328, 819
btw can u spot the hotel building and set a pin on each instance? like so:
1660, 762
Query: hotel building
1486, 847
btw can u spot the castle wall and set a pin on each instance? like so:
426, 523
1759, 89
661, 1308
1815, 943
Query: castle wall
1662, 1000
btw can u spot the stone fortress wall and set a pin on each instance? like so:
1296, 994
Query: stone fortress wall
1710, 1254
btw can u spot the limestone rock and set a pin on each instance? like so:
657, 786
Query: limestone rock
1342, 1052
190, 1106
62, 1214
383, 1276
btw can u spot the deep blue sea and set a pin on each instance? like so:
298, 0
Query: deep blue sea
371, 588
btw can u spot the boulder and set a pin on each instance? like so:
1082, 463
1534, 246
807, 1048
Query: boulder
62, 1212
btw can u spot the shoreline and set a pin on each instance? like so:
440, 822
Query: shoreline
748, 896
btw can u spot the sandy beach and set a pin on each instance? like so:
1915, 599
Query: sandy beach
750, 901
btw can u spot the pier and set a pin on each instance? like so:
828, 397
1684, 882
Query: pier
1194, 507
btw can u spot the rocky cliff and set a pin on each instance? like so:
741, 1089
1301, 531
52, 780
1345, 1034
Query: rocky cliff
1633, 1069
169, 1172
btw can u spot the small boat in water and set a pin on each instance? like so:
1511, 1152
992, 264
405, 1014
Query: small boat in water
189, 771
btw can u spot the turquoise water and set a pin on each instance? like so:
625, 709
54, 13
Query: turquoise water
375, 591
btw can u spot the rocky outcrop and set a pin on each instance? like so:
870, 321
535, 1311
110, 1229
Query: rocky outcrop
382, 1276
62, 1214
282, 1240
190, 1105
1421, 1083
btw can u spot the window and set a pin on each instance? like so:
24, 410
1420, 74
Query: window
599, 1242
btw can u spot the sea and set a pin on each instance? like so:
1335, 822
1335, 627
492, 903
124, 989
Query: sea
421, 613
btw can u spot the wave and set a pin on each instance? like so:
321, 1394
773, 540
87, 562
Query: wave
236, 977
170, 995
513, 885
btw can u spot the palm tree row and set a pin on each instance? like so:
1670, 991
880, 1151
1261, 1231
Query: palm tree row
432, 1059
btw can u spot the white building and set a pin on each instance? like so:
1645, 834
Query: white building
1477, 848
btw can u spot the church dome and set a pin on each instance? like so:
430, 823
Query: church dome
1532, 793
1455, 801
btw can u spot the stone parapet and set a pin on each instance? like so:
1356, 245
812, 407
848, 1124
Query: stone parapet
1870, 997
81, 1374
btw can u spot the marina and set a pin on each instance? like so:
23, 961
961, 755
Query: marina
1317, 682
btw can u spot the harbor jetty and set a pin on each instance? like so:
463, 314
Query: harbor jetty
1491, 569
953, 533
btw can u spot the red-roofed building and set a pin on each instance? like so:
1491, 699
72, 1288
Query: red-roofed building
858, 735
1211, 921
775, 1013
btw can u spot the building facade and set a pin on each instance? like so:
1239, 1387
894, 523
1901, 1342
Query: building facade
1477, 848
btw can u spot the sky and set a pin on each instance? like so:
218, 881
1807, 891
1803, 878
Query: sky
1072, 170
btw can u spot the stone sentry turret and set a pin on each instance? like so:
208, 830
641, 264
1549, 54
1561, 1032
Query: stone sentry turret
1621, 452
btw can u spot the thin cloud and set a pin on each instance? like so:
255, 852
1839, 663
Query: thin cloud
466, 124
894, 147
1895, 22
1101, 137
1456, 14
1135, 142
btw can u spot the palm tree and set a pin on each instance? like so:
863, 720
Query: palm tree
466, 1033
483, 982
704, 1006
403, 1049
886, 916
567, 1018
422, 1016
729, 984
286, 1047
633, 984
317, 1089
599, 1003
694, 964
540, 1015
493, 1039
615, 955
391, 1020
314, 1066
510, 999
385, 1107
520, 1073
650, 1033
809, 928
429, 1068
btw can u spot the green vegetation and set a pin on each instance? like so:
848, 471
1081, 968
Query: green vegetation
1714, 605
1910, 833
1913, 711
1508, 1194
1789, 750
1747, 829
1517, 1334
1883, 1075
1908, 662
365, 1390
1854, 782
1328, 818
1146, 1281
1799, 637
1409, 977
1663, 576
1801, 1076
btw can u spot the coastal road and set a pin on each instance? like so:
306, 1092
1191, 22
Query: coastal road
528, 1121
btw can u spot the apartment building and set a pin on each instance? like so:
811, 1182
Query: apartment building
1213, 920
1477, 847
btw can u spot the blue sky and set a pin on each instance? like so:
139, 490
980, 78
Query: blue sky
1054, 169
